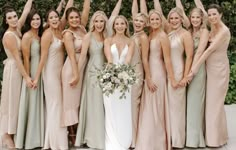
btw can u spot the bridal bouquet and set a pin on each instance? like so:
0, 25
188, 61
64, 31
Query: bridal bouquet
116, 76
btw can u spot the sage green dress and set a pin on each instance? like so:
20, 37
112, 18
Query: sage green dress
30, 128
196, 106
91, 128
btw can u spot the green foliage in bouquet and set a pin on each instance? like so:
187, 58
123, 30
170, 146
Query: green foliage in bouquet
116, 77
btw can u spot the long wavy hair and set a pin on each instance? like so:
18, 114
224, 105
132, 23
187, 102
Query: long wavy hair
47, 15
91, 24
4, 25
29, 18
127, 32
203, 20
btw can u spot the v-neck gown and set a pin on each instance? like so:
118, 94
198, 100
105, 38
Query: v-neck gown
118, 114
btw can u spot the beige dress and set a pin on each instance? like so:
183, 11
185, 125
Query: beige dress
137, 88
11, 89
177, 97
55, 135
217, 66
71, 95
154, 127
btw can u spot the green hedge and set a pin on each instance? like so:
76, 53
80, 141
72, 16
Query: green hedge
229, 18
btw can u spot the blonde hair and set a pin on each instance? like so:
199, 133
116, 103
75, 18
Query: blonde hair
203, 19
127, 33
154, 11
178, 11
144, 16
95, 15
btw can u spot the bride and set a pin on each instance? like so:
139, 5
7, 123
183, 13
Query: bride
118, 122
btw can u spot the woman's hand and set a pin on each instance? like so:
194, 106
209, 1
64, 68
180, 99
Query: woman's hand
183, 82
29, 82
74, 81
174, 84
151, 85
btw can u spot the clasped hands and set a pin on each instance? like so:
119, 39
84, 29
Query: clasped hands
30, 83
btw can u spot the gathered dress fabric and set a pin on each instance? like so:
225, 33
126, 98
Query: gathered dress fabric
177, 97
11, 89
71, 95
154, 125
196, 106
30, 129
136, 90
55, 134
91, 128
118, 113
217, 66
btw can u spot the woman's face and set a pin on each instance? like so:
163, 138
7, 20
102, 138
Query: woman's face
175, 20
196, 19
214, 16
99, 23
74, 19
139, 23
35, 22
120, 25
12, 19
155, 21
53, 20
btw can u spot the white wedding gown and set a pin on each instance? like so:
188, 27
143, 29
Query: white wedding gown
118, 121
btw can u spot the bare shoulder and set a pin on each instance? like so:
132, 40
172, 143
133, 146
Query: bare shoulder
163, 35
129, 41
144, 36
47, 34
27, 36
108, 40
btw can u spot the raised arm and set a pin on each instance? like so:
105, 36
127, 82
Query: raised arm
116, 10
45, 44
157, 7
85, 13
60, 6
24, 14
25, 46
143, 7
223, 35
63, 18
10, 43
69, 46
199, 4
186, 22
134, 8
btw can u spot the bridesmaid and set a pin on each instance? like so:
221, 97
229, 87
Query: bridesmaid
91, 128
71, 80
141, 44
217, 66
30, 129
12, 73
181, 45
196, 91
52, 59
154, 126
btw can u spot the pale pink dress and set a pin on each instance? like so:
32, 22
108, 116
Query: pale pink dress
154, 127
11, 89
137, 88
71, 95
217, 66
55, 135
177, 97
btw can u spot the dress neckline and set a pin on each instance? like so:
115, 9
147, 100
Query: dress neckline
123, 49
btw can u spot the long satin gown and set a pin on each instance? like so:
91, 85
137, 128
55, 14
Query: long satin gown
55, 134
196, 106
177, 97
217, 66
154, 126
91, 129
137, 88
30, 129
118, 113
71, 95
11, 89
